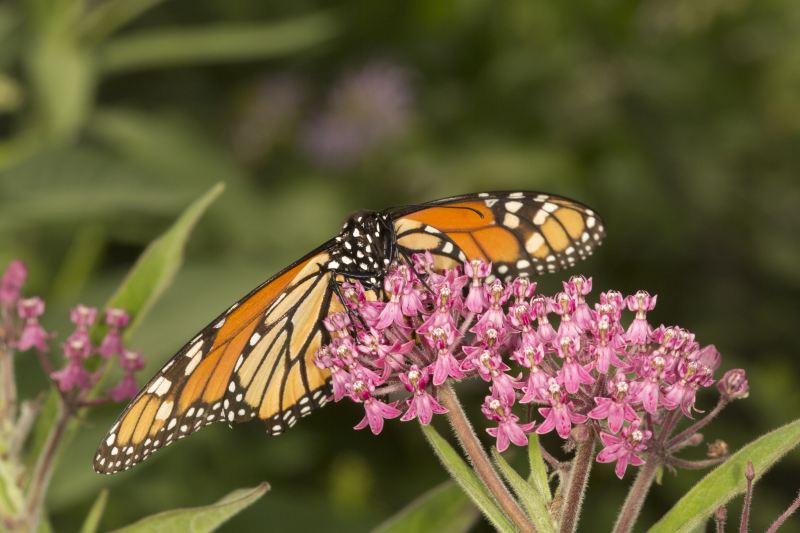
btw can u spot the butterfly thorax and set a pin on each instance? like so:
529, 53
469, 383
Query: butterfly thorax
364, 248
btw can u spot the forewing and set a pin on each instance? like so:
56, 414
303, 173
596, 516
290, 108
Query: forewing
521, 233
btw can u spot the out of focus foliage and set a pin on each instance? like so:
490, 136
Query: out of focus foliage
678, 120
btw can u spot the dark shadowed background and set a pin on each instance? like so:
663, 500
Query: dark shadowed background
677, 120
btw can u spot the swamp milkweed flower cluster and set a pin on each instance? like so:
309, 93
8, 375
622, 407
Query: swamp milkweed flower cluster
597, 364
23, 331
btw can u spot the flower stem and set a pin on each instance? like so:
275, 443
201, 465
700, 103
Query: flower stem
695, 465
636, 495
44, 469
749, 475
697, 426
786, 514
579, 475
480, 461
9, 386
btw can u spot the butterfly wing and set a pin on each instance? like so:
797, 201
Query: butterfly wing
254, 361
521, 233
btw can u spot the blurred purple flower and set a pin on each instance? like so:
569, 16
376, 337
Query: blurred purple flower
365, 109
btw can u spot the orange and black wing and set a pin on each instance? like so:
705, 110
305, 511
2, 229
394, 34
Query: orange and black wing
254, 361
521, 233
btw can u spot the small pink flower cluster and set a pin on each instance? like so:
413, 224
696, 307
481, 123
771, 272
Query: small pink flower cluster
579, 364
25, 332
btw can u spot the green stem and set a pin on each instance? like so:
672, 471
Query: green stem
44, 470
579, 475
480, 461
635, 499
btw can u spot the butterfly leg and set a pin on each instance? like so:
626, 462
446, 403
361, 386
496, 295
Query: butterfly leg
410, 264
337, 289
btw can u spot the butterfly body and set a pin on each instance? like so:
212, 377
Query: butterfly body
255, 360
364, 248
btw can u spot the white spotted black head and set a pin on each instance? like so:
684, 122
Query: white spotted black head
364, 248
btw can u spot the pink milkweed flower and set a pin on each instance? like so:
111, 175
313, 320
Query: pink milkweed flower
559, 415
565, 306
338, 324
491, 368
126, 389
572, 372
33, 334
496, 295
535, 387
648, 390
392, 313
578, 287
421, 405
614, 299
117, 318
112, 342
615, 409
446, 365
11, 283
683, 392
639, 330
72, 376
508, 428
477, 299
609, 344
375, 410
522, 289
540, 307
83, 316
624, 448
77, 348
131, 361
412, 296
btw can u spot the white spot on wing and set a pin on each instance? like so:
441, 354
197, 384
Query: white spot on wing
513, 206
534, 242
164, 411
511, 221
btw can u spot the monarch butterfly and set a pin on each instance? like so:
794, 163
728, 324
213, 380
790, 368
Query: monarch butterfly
255, 360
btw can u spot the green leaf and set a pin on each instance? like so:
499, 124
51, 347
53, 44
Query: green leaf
92, 521
538, 475
466, 479
198, 519
109, 16
219, 43
727, 480
530, 497
444, 509
156, 267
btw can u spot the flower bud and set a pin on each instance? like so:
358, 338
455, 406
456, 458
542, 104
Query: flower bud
734, 385
717, 449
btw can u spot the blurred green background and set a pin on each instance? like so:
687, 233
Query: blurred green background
677, 120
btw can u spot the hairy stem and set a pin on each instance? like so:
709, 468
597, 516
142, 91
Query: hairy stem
636, 495
720, 517
579, 475
480, 461
786, 514
44, 469
749, 475
697, 426
8, 395
695, 465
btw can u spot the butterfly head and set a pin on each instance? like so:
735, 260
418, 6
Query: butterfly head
364, 248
